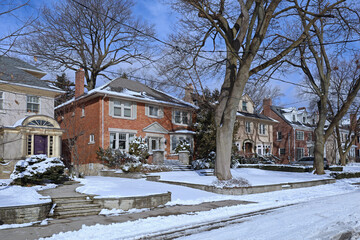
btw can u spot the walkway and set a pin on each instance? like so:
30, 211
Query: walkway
75, 223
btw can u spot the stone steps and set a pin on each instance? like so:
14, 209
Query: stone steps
177, 165
73, 206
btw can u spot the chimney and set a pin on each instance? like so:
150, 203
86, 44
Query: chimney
79, 82
353, 121
189, 90
266, 106
302, 108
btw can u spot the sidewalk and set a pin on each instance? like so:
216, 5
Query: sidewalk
75, 223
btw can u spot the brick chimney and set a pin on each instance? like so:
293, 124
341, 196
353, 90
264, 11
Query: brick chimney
189, 90
266, 106
302, 108
353, 121
79, 82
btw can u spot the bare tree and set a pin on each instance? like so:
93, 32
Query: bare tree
89, 34
8, 9
250, 39
315, 62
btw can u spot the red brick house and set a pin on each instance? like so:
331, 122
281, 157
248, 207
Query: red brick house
111, 115
293, 135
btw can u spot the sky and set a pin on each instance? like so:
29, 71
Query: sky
163, 18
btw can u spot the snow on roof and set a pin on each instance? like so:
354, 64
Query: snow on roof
185, 131
19, 122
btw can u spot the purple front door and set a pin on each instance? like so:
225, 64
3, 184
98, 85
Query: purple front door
40, 144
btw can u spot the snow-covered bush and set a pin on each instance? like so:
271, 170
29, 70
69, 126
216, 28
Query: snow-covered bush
131, 167
115, 158
183, 145
204, 163
38, 169
139, 148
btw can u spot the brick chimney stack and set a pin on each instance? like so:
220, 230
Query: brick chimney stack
353, 121
266, 106
189, 90
79, 82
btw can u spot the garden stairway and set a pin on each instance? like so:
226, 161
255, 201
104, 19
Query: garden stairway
69, 203
177, 165
74, 206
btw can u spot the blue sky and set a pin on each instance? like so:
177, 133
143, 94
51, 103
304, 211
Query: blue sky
159, 14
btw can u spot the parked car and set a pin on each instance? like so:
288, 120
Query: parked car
309, 161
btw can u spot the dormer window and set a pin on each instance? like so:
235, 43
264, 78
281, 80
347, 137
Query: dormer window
294, 119
304, 119
244, 106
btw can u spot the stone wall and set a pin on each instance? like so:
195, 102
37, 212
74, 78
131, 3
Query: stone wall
7, 168
24, 214
126, 203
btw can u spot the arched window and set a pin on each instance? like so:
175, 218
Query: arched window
41, 123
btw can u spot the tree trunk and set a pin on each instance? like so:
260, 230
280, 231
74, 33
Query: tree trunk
320, 138
342, 158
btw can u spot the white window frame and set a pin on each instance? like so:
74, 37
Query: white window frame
247, 127
299, 135
262, 129
297, 153
309, 136
277, 136
182, 113
83, 111
128, 137
92, 138
160, 111
37, 102
244, 106
121, 104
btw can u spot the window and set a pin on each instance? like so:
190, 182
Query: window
279, 136
299, 135
244, 106
122, 109
304, 119
299, 153
181, 117
51, 145
294, 119
282, 151
1, 100
91, 138
32, 104
311, 151
247, 127
83, 112
175, 140
262, 129
154, 143
309, 137
29, 145
154, 111
121, 141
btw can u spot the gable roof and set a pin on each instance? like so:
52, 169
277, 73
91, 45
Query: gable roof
279, 111
17, 72
255, 115
121, 87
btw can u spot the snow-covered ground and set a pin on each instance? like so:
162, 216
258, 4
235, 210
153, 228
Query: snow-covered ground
318, 195
254, 176
17, 196
352, 167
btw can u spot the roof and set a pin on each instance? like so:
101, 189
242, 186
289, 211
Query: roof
279, 111
121, 87
17, 72
255, 115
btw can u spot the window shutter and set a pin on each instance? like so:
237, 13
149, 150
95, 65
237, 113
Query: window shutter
133, 116
111, 108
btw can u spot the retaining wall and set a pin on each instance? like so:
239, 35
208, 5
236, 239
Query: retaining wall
127, 203
253, 189
109, 173
24, 214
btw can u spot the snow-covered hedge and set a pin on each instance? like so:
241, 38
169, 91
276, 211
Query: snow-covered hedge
38, 169
204, 163
341, 175
278, 167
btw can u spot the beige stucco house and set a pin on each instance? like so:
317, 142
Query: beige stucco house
27, 124
254, 131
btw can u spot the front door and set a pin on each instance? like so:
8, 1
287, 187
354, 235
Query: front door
248, 147
40, 144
